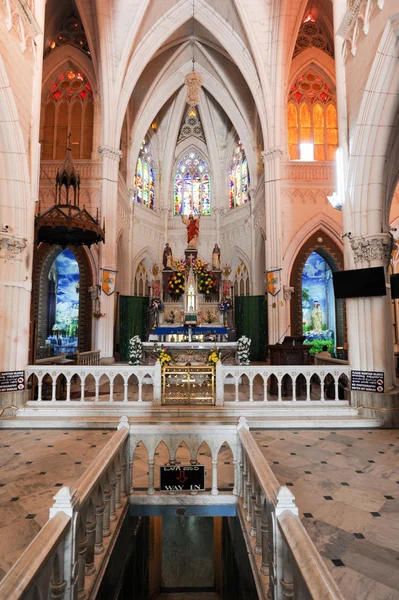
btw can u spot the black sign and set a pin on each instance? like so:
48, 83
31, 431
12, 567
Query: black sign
178, 478
12, 381
367, 381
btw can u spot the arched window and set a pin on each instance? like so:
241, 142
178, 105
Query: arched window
312, 119
192, 186
68, 109
238, 178
145, 178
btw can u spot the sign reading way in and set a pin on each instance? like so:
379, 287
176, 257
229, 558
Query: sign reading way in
367, 381
12, 381
180, 478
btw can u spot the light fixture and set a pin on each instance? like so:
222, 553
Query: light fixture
193, 80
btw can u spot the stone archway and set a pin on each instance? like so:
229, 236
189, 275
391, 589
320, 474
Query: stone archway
44, 258
322, 244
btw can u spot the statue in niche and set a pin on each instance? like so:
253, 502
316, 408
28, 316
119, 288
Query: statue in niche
316, 317
216, 258
167, 258
192, 224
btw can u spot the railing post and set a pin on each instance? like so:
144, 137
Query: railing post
287, 581
151, 489
219, 384
284, 501
264, 527
66, 501
98, 540
57, 590
157, 383
82, 567
112, 504
118, 503
258, 518
214, 490
106, 517
90, 535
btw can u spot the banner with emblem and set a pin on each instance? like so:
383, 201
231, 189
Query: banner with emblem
108, 281
274, 281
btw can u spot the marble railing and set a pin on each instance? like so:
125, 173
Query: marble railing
234, 383
283, 382
284, 560
83, 383
64, 560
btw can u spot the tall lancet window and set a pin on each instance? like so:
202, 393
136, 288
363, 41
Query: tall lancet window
192, 189
145, 178
312, 119
239, 178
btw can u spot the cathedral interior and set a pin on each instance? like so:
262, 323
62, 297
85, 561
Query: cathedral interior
199, 299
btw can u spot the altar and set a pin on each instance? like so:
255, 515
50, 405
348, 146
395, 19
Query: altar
194, 353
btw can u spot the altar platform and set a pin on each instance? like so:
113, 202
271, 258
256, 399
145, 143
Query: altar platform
180, 332
193, 352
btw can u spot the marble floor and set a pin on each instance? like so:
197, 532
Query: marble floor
34, 464
346, 485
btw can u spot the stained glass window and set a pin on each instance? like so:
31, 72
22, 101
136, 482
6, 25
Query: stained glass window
145, 178
239, 178
68, 109
192, 189
312, 119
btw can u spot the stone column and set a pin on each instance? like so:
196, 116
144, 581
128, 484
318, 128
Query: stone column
118, 488
112, 504
244, 480
214, 490
90, 533
110, 158
258, 520
275, 304
248, 485
123, 479
98, 539
151, 489
264, 569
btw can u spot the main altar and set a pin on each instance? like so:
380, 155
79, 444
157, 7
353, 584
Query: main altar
191, 317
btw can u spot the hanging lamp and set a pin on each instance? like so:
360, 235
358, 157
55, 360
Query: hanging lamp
193, 80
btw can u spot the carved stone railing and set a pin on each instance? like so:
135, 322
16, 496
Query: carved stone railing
263, 383
281, 383
61, 382
308, 171
284, 560
82, 526
91, 357
88, 169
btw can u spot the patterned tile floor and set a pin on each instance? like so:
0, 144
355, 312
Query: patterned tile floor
346, 485
34, 464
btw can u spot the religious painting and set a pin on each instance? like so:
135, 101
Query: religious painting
274, 282
318, 304
108, 284
63, 304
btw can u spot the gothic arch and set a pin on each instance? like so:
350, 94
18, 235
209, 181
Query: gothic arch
327, 248
44, 258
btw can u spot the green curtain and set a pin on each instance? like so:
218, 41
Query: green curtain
251, 318
133, 320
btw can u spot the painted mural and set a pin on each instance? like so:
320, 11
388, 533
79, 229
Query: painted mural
63, 304
318, 304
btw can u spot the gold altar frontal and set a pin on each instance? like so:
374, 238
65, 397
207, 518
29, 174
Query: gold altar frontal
188, 385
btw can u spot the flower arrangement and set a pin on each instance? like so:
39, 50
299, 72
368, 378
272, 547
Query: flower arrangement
207, 283
163, 356
213, 357
171, 317
156, 305
225, 305
243, 345
176, 283
199, 266
135, 350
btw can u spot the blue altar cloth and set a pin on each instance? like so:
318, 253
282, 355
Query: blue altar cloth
178, 329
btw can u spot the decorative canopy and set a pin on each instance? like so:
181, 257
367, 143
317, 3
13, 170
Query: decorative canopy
65, 223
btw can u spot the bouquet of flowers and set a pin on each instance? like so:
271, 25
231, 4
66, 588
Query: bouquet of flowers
163, 356
207, 283
156, 304
210, 317
225, 305
176, 283
135, 350
199, 266
213, 357
171, 318
243, 345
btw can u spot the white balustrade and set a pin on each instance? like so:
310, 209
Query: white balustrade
281, 383
262, 383
290, 565
60, 381
69, 547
